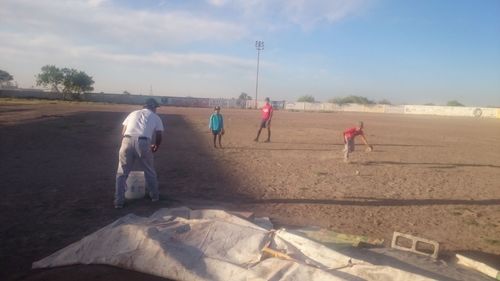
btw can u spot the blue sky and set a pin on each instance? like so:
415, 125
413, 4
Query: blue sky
413, 52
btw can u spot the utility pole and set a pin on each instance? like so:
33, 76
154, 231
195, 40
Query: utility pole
259, 45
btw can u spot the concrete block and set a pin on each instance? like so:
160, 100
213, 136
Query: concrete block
415, 243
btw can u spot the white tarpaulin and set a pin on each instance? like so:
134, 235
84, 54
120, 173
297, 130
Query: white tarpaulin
184, 244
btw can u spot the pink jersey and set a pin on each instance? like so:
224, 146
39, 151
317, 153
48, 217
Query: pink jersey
352, 132
267, 110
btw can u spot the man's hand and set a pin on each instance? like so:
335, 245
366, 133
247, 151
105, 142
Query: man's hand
154, 147
369, 148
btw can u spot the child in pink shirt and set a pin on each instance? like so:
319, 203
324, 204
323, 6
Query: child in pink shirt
267, 115
349, 136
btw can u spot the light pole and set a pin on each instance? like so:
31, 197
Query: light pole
259, 45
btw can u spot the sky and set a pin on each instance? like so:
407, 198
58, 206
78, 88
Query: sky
407, 52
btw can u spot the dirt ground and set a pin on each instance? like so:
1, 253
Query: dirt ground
434, 177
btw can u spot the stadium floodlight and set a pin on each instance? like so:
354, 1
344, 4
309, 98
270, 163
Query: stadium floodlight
259, 45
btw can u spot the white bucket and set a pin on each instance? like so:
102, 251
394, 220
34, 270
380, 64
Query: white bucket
136, 185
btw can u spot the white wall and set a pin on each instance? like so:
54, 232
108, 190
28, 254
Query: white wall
452, 111
482, 112
379, 108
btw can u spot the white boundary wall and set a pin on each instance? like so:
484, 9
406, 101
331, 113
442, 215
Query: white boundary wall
484, 112
453, 111
378, 108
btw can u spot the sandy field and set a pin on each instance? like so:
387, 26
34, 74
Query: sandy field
434, 177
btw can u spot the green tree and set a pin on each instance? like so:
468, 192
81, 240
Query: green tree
351, 99
50, 76
454, 103
76, 82
339, 101
242, 99
6, 80
5, 77
384, 101
306, 98
73, 81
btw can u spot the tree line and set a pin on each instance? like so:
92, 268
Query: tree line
65, 81
362, 100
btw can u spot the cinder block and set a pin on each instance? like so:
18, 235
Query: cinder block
414, 241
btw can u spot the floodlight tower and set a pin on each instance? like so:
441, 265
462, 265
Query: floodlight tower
259, 45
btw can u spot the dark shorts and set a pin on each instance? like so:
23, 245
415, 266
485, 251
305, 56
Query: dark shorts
349, 146
264, 123
215, 133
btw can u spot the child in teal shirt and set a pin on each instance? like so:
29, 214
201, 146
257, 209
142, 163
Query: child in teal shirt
216, 124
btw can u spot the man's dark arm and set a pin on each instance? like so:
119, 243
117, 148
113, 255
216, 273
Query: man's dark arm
157, 143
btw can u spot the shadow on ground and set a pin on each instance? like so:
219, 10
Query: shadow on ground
59, 176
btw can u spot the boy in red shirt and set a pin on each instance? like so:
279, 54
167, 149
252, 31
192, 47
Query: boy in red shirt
349, 136
267, 115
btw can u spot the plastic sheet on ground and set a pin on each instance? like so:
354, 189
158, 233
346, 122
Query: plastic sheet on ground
184, 244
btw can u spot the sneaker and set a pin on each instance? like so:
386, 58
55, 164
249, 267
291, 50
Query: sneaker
268, 140
118, 206
256, 140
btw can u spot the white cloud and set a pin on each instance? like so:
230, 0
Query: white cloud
218, 3
96, 3
310, 13
106, 23
305, 13
50, 46
111, 24
175, 59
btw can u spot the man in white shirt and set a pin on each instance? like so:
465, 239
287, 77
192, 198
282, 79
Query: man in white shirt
141, 132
